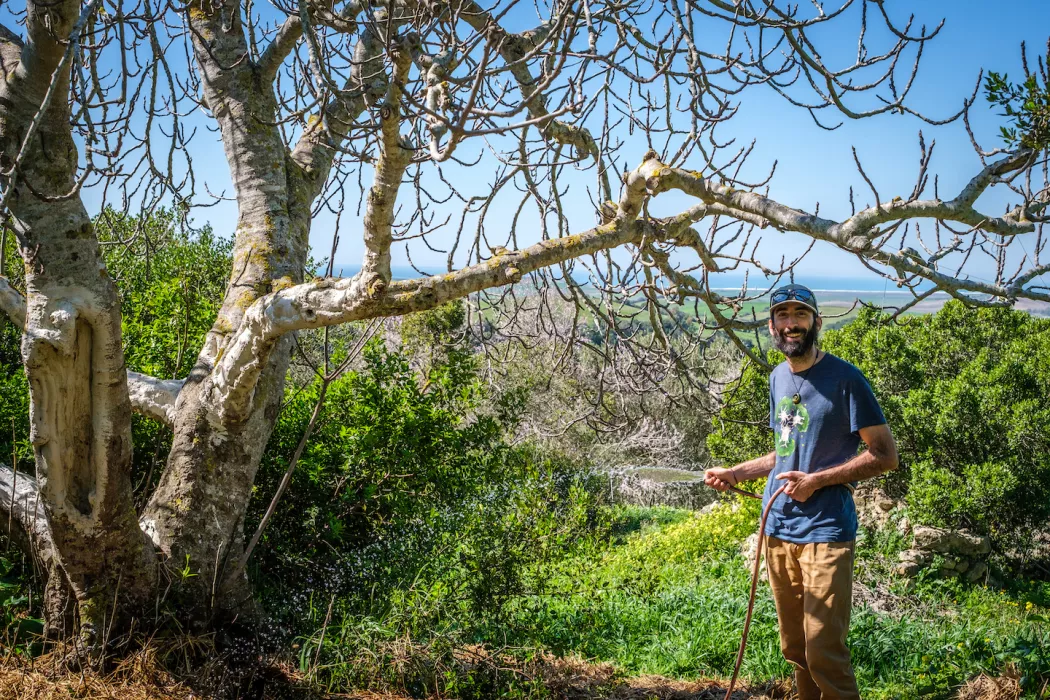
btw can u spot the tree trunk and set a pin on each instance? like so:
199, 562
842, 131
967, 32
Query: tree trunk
196, 515
79, 410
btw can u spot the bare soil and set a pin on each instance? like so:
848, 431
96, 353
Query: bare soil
140, 677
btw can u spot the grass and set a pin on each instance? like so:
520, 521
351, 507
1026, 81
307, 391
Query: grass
651, 609
664, 593
668, 597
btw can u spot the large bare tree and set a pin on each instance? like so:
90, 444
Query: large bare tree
420, 109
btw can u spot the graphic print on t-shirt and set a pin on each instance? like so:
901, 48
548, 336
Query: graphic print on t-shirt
793, 419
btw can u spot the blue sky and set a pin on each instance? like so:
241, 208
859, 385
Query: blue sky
813, 165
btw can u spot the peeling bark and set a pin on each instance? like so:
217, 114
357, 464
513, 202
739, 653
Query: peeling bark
79, 410
149, 396
196, 514
22, 520
154, 397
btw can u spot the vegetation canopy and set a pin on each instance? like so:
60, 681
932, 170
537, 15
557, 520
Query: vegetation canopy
965, 392
150, 405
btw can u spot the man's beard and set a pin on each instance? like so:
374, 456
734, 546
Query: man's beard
795, 348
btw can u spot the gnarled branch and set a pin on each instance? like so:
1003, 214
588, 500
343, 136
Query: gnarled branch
329, 302
13, 304
153, 397
150, 396
22, 517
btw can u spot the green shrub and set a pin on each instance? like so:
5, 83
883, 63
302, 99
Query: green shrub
171, 283
967, 395
409, 505
14, 389
414, 518
20, 629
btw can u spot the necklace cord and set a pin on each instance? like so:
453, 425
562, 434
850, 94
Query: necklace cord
796, 398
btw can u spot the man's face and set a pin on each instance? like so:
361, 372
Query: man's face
794, 328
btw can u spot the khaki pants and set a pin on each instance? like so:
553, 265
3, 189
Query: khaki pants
813, 587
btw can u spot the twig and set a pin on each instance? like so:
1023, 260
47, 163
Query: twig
324, 628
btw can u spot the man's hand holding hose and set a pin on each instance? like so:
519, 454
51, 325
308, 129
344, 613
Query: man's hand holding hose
720, 479
723, 480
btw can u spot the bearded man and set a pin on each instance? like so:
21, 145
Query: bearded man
821, 407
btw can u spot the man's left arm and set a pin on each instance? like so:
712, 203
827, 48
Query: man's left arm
879, 458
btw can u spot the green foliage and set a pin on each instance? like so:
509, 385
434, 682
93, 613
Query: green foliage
428, 336
382, 445
965, 392
914, 658
670, 599
14, 388
741, 429
171, 285
1026, 105
411, 512
14, 400
19, 629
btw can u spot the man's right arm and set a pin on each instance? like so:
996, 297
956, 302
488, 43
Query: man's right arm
721, 479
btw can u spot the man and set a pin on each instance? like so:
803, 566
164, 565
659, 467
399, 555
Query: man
821, 407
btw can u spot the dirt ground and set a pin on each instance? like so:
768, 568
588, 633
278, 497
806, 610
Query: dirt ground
139, 678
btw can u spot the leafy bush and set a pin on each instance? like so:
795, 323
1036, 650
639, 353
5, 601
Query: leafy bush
14, 400
409, 508
171, 283
14, 388
19, 629
966, 394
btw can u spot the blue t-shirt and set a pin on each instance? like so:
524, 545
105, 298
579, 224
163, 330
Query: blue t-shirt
819, 432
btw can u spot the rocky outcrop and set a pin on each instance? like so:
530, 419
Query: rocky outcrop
948, 552
876, 509
958, 542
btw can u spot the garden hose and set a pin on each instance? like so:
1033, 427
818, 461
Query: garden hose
754, 580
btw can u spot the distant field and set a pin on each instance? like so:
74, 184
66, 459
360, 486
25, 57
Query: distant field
838, 307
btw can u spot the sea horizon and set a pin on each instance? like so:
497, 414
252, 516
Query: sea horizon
820, 284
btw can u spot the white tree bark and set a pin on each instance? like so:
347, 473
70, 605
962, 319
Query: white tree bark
149, 396
79, 411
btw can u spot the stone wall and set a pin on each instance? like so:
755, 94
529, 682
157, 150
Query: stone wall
948, 552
